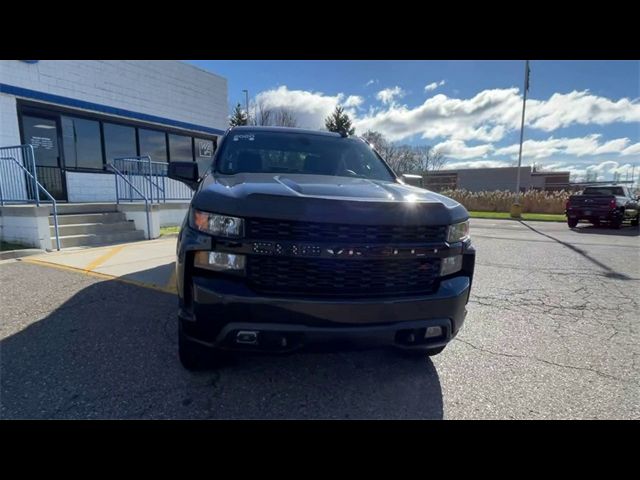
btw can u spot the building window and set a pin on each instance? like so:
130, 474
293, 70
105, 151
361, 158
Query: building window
82, 148
180, 148
41, 133
441, 181
154, 144
119, 141
204, 154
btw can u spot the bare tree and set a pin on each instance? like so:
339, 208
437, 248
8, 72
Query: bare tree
376, 139
406, 158
391, 153
263, 114
285, 117
428, 159
402, 159
269, 116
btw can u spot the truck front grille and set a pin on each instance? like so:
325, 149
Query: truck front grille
268, 229
342, 277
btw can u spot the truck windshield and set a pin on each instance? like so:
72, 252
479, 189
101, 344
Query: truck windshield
301, 153
603, 191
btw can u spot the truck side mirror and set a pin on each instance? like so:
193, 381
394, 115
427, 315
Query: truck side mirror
185, 172
415, 180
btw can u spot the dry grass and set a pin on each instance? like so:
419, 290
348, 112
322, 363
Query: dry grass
532, 201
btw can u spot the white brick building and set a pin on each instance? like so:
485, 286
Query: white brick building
80, 114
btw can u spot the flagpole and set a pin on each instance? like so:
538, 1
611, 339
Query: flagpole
515, 209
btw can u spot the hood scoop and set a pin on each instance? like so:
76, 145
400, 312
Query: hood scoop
339, 188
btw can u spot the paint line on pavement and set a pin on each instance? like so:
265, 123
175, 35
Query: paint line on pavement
103, 258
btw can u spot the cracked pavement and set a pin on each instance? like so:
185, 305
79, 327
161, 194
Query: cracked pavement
552, 332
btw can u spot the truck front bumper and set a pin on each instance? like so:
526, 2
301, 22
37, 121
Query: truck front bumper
594, 214
223, 308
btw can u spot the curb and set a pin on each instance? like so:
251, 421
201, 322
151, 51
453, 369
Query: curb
518, 219
9, 254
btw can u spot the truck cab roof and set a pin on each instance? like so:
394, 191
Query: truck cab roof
261, 129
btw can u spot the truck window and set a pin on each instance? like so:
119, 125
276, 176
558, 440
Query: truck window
299, 153
604, 191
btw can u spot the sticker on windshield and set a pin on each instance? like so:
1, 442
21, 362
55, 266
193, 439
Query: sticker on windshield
248, 136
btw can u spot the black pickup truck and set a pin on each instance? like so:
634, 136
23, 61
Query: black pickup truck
611, 204
298, 237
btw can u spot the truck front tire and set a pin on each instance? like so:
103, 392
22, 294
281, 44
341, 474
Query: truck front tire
422, 352
572, 222
195, 357
189, 353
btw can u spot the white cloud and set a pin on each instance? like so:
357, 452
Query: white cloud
562, 110
371, 82
471, 127
434, 85
476, 118
388, 95
631, 149
353, 101
458, 149
310, 108
605, 170
485, 117
579, 147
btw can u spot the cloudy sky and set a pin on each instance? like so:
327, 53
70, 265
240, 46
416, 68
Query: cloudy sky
581, 115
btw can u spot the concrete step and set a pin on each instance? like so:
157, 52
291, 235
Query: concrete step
71, 208
74, 219
98, 228
98, 239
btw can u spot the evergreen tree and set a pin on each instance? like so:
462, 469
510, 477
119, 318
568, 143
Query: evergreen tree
339, 122
239, 117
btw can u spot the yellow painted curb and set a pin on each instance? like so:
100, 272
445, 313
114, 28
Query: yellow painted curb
171, 284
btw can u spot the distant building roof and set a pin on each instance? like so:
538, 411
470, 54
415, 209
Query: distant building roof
528, 168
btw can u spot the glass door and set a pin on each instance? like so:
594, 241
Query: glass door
43, 133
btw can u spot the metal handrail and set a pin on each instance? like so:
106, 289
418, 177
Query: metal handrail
53, 200
149, 174
151, 177
28, 160
151, 182
131, 185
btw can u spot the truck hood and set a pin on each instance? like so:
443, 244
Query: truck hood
321, 198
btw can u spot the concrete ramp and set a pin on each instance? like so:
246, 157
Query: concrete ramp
149, 263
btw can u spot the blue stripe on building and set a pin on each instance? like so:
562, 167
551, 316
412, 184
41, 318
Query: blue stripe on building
96, 107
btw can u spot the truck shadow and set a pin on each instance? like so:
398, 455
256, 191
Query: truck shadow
609, 272
110, 351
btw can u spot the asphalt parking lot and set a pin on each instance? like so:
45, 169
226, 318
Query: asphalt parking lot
552, 332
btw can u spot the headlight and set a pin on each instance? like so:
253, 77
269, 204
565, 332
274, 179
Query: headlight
214, 224
450, 265
458, 232
219, 261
